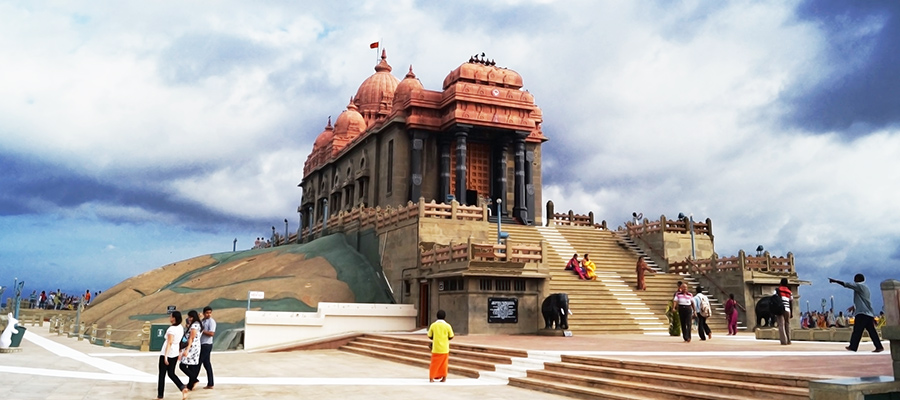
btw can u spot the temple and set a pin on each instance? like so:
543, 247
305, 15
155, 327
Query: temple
441, 192
476, 140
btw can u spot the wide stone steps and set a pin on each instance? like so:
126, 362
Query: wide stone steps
600, 378
465, 360
610, 304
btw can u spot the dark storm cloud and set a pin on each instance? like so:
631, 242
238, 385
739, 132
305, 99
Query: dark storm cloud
34, 187
194, 57
863, 94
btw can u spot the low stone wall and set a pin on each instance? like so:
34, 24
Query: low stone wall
269, 330
819, 335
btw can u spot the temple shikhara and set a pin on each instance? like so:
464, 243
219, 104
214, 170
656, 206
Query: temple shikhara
441, 191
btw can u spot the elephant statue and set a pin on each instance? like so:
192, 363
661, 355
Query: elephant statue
767, 308
6, 336
555, 309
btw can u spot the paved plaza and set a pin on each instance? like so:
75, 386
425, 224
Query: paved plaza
55, 367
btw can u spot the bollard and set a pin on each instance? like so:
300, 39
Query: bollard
108, 334
52, 318
94, 334
41, 319
81, 332
145, 336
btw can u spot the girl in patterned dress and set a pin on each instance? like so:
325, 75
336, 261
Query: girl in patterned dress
190, 358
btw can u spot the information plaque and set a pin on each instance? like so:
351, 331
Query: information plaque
503, 310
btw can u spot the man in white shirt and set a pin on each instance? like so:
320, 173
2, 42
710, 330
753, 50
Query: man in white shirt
208, 330
703, 310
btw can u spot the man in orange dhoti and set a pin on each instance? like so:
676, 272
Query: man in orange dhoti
440, 333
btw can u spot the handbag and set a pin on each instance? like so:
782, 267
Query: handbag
184, 342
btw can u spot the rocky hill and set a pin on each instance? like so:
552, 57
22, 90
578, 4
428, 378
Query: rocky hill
294, 278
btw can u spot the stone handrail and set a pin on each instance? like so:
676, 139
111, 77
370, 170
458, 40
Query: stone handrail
465, 252
63, 324
765, 263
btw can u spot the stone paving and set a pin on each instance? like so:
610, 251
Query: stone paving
55, 367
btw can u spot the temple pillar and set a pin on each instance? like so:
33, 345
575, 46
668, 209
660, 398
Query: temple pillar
415, 168
529, 186
500, 181
461, 135
520, 210
444, 184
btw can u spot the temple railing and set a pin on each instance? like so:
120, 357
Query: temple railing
469, 251
572, 219
379, 218
639, 228
740, 262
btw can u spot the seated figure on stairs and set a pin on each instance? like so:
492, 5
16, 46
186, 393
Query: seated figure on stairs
589, 268
575, 265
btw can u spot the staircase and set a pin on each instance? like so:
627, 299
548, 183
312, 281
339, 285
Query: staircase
600, 378
611, 304
466, 360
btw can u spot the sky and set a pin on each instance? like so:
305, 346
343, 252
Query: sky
133, 135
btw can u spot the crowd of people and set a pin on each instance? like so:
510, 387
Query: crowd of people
261, 243
685, 309
824, 320
189, 346
58, 300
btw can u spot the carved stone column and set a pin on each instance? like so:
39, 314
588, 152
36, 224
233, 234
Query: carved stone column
529, 186
415, 167
461, 136
500, 181
520, 210
444, 189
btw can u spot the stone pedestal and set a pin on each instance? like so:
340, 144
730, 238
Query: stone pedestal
890, 290
853, 388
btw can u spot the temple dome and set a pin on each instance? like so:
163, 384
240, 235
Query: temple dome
406, 86
325, 137
376, 94
482, 71
350, 123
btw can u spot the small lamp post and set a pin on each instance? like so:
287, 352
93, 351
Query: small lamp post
285, 231
234, 245
759, 250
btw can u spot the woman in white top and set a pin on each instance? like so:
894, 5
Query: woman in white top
190, 356
169, 356
684, 303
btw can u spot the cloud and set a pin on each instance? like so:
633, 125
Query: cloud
195, 121
858, 89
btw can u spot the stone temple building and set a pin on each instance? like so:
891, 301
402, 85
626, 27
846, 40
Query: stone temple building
476, 140
413, 178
